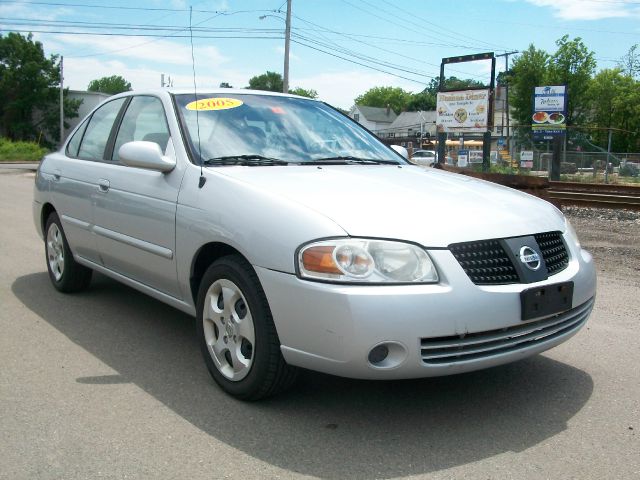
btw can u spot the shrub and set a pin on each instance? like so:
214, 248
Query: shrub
20, 151
628, 170
568, 167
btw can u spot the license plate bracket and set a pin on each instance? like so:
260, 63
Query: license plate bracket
542, 301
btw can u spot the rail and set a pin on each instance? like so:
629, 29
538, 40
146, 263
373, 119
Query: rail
595, 195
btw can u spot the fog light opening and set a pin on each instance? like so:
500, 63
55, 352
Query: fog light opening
387, 355
378, 354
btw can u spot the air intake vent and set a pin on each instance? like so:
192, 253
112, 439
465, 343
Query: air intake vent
480, 345
485, 262
553, 250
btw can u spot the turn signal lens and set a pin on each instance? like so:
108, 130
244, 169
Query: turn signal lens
320, 260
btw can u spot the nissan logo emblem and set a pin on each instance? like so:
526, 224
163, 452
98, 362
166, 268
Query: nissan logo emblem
530, 258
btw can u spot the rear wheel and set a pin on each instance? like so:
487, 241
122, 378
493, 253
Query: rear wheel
65, 273
237, 336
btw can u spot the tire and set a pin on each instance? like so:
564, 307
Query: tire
237, 336
66, 274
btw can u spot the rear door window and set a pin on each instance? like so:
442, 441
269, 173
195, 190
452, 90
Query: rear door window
96, 135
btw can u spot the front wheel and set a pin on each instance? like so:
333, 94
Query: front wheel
65, 273
237, 336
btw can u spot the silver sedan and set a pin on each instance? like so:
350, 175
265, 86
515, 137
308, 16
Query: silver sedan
298, 239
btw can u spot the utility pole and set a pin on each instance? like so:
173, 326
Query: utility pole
606, 168
287, 41
506, 94
61, 101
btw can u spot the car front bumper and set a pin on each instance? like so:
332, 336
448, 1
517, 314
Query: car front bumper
430, 330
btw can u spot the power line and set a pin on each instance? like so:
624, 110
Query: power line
357, 63
456, 36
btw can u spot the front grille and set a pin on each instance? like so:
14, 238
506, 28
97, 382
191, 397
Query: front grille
485, 262
474, 346
553, 251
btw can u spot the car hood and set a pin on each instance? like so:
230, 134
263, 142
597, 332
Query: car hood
426, 206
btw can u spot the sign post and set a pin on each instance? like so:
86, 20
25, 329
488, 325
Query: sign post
466, 111
549, 120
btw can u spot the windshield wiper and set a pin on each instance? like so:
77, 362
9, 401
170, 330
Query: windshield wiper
349, 160
251, 160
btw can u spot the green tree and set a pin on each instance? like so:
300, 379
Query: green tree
630, 62
225, 85
395, 97
303, 92
573, 65
460, 83
111, 85
427, 99
29, 88
528, 71
615, 104
270, 81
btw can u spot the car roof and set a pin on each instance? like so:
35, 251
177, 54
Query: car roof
203, 92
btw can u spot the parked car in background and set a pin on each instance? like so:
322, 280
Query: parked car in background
424, 157
297, 239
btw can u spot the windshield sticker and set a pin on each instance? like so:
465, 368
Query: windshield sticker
277, 110
214, 104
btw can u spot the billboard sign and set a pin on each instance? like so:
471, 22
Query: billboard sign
549, 117
463, 111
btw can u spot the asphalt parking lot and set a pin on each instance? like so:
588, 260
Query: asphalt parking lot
110, 384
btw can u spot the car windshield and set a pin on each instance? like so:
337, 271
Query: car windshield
249, 129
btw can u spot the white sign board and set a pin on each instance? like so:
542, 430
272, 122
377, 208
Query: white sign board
526, 156
463, 111
462, 160
549, 99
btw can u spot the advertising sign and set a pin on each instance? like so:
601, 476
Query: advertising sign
463, 111
526, 155
526, 159
549, 112
475, 156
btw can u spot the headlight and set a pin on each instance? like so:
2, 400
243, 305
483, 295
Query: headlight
571, 233
359, 260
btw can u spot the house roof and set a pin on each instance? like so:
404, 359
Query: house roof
377, 114
413, 120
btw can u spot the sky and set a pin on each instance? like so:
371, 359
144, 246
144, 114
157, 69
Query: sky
340, 48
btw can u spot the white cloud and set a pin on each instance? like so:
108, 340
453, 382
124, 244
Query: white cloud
25, 10
149, 51
340, 88
78, 72
589, 9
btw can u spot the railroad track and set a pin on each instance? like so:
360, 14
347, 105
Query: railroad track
595, 195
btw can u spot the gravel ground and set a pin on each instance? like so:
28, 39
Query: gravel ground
612, 237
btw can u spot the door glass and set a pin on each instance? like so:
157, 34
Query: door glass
74, 143
97, 133
143, 120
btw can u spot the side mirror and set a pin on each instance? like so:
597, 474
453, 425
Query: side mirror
401, 150
147, 155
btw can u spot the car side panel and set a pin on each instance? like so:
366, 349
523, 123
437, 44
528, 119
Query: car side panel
72, 186
135, 223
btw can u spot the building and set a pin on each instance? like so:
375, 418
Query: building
90, 100
411, 125
373, 118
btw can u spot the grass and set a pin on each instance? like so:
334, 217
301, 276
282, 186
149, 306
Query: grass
20, 151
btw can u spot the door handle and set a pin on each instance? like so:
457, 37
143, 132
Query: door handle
56, 174
103, 185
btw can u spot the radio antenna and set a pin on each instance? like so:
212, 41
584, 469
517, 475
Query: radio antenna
202, 180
